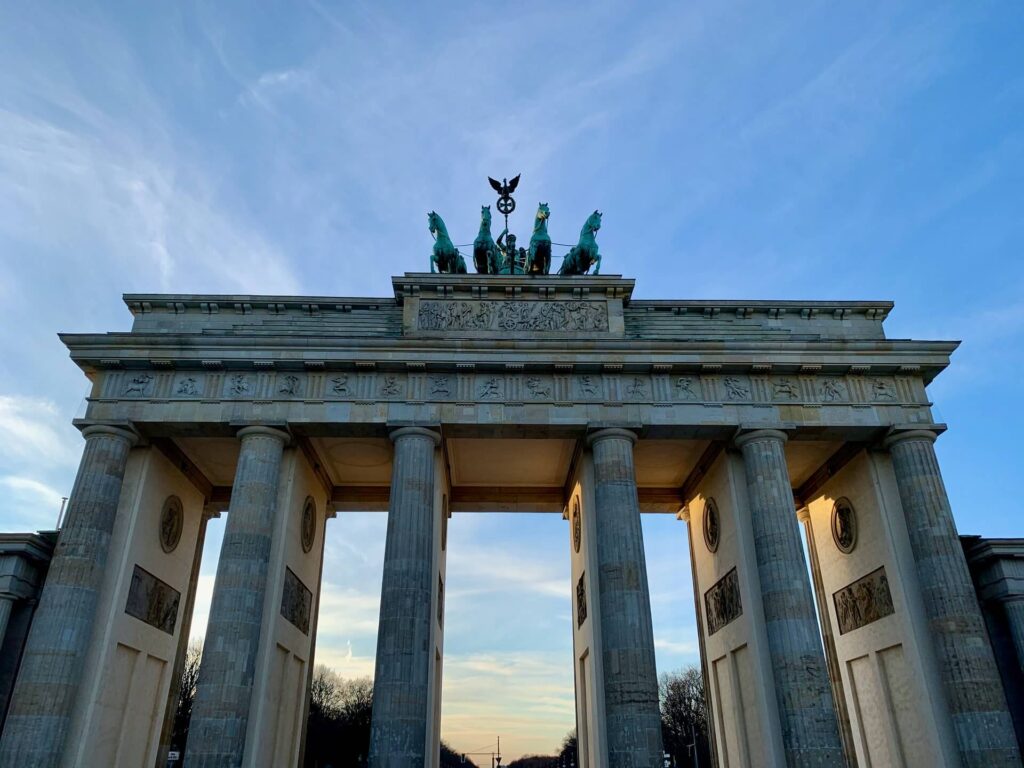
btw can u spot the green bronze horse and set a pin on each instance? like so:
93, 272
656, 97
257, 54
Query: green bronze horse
539, 261
585, 252
445, 256
485, 253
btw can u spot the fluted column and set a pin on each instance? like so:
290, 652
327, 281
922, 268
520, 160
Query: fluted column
221, 710
810, 731
401, 702
1014, 608
977, 704
54, 658
633, 721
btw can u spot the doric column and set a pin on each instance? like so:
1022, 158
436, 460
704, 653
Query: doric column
977, 704
401, 703
633, 721
1014, 608
221, 710
54, 657
810, 731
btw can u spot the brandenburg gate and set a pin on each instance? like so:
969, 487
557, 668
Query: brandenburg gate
770, 428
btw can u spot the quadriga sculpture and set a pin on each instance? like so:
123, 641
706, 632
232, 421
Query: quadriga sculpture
585, 252
445, 256
539, 261
486, 258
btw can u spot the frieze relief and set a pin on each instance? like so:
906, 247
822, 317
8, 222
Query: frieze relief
453, 315
520, 387
296, 601
863, 602
153, 601
722, 603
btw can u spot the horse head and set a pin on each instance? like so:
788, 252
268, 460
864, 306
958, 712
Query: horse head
432, 219
485, 215
594, 222
543, 214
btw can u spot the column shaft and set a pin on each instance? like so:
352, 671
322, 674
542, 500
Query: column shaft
810, 731
1014, 618
6, 606
54, 658
977, 704
401, 681
632, 716
221, 710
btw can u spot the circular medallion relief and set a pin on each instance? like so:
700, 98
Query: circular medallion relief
844, 525
712, 525
577, 525
444, 523
308, 524
172, 520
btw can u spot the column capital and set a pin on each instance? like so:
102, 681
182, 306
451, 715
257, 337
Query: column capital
612, 433
123, 431
395, 434
803, 514
278, 434
684, 514
909, 434
760, 434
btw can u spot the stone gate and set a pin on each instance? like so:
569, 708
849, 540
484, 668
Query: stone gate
746, 419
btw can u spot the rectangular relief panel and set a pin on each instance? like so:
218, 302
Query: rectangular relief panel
502, 316
864, 601
153, 601
722, 602
296, 601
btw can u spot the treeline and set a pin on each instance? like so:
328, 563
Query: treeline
340, 711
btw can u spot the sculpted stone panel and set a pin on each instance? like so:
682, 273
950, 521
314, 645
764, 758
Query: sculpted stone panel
451, 315
722, 602
519, 387
864, 601
581, 600
296, 601
152, 601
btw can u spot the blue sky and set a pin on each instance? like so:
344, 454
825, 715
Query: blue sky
812, 150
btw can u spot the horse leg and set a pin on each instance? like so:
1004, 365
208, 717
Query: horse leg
597, 265
433, 260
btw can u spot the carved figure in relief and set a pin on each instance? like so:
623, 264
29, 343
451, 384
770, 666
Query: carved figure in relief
735, 389
390, 386
339, 384
485, 252
866, 600
786, 388
490, 388
439, 385
537, 388
240, 385
445, 256
585, 253
138, 385
684, 388
187, 386
539, 260
882, 389
289, 385
587, 385
637, 388
831, 389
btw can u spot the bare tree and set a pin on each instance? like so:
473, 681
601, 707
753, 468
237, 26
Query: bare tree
186, 695
684, 717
